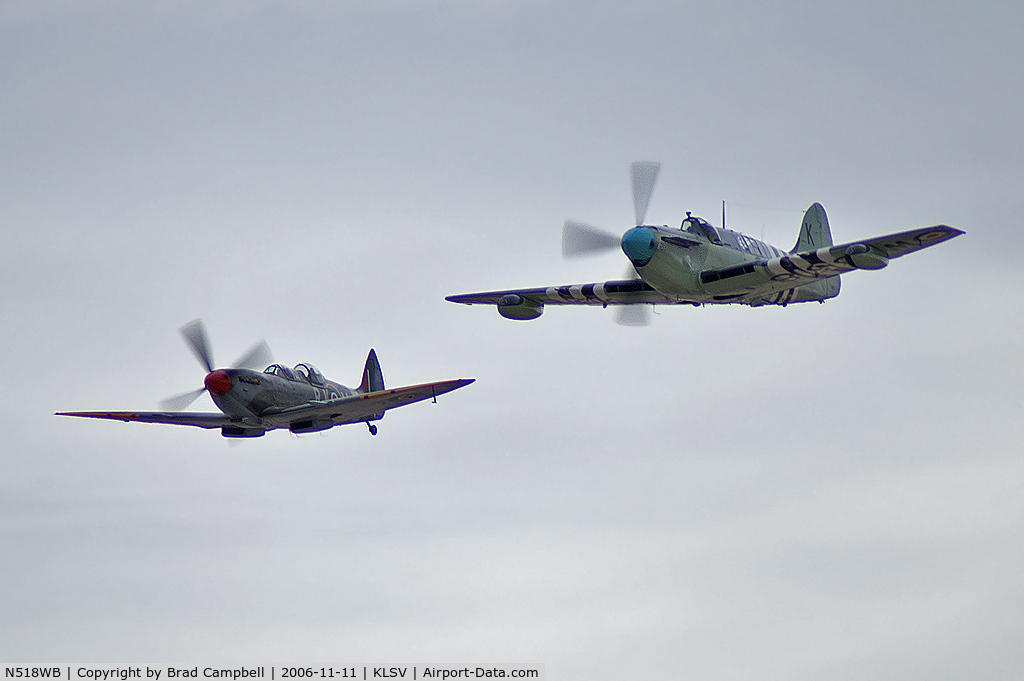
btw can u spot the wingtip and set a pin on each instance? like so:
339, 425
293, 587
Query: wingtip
455, 383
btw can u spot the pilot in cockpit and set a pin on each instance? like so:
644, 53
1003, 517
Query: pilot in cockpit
699, 226
315, 377
309, 373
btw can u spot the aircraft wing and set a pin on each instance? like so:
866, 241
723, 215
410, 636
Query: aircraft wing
179, 418
754, 283
352, 409
362, 407
618, 292
797, 269
896, 245
869, 254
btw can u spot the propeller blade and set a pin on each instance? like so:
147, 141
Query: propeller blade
633, 315
179, 402
256, 357
194, 334
638, 314
645, 174
580, 239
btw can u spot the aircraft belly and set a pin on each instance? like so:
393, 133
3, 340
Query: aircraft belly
672, 273
741, 284
676, 273
233, 404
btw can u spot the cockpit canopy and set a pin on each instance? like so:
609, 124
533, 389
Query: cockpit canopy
280, 370
700, 227
302, 372
310, 373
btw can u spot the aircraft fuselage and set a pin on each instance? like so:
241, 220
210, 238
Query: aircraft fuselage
245, 393
685, 265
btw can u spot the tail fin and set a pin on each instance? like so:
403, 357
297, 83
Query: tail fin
814, 231
815, 234
373, 379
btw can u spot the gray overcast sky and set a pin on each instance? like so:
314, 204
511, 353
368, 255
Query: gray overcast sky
822, 491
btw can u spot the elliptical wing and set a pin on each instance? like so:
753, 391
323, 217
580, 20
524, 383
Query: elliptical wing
177, 418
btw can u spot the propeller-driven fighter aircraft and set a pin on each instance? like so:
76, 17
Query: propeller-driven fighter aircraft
299, 399
699, 264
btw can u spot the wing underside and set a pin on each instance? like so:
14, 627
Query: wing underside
179, 418
362, 407
619, 292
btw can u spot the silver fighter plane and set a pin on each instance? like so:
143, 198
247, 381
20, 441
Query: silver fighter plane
299, 399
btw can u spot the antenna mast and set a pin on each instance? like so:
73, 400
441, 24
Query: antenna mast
723, 213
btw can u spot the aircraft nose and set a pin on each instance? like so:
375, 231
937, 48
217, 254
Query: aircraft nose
218, 382
639, 245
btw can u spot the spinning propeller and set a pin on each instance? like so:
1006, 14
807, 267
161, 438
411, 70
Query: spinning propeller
217, 381
580, 239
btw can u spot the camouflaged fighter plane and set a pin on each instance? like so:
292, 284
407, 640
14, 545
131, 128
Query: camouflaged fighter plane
299, 399
698, 264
